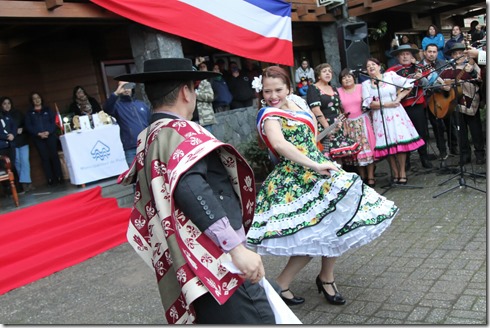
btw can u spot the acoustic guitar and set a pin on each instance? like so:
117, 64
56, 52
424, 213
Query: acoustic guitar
443, 103
403, 92
341, 119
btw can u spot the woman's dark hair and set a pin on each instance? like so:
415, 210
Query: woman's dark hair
459, 27
345, 72
435, 29
275, 72
374, 60
304, 59
3, 98
35, 93
75, 89
318, 69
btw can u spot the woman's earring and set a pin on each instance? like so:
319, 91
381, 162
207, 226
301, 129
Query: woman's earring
262, 101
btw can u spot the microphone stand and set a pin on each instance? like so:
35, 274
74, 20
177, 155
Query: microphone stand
381, 109
442, 164
462, 170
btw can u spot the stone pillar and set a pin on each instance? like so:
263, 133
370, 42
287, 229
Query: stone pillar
331, 46
148, 43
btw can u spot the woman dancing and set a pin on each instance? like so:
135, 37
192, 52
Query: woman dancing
308, 206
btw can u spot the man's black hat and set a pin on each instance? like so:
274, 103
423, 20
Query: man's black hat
454, 47
163, 69
404, 47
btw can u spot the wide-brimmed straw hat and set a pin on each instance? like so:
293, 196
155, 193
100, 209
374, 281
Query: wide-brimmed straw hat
164, 69
454, 47
404, 47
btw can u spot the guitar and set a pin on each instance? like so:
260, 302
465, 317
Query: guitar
443, 103
403, 92
341, 119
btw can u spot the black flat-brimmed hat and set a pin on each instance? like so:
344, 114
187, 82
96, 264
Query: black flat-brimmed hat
454, 47
163, 69
404, 47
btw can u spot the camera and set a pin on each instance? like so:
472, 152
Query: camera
128, 86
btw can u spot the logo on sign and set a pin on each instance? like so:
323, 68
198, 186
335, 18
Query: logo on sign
100, 151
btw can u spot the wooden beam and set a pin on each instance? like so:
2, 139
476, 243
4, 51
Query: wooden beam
37, 9
320, 11
368, 3
313, 18
302, 11
376, 6
53, 4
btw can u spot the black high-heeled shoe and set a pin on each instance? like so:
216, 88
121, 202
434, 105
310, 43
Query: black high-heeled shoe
292, 301
335, 299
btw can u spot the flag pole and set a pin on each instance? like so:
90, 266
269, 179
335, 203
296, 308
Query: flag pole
58, 121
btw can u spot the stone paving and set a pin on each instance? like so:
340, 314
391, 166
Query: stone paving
429, 267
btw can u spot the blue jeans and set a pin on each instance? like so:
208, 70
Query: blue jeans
130, 154
209, 128
22, 164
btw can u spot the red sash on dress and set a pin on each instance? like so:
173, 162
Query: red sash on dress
267, 112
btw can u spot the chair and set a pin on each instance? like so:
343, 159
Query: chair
6, 174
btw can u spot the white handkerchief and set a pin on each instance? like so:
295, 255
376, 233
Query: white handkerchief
282, 313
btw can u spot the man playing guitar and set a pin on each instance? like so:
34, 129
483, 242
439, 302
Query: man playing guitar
468, 101
414, 101
439, 125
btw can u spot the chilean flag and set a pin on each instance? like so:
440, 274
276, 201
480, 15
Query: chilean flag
256, 29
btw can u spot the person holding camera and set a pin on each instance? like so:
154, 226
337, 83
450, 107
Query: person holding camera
132, 115
240, 87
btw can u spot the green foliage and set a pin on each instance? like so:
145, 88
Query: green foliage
378, 32
257, 158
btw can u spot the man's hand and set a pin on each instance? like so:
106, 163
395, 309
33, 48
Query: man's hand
120, 88
248, 262
471, 52
198, 61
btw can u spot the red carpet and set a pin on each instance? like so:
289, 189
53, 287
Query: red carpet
40, 240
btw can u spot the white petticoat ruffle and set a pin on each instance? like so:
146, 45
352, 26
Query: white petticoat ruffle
321, 239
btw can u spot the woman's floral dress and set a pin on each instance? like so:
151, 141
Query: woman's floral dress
300, 212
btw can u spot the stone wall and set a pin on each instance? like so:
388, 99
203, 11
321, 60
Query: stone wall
236, 126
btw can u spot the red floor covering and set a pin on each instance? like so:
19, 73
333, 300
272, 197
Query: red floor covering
40, 240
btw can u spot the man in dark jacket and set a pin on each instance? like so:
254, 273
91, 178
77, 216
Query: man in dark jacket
222, 94
203, 201
131, 114
240, 88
